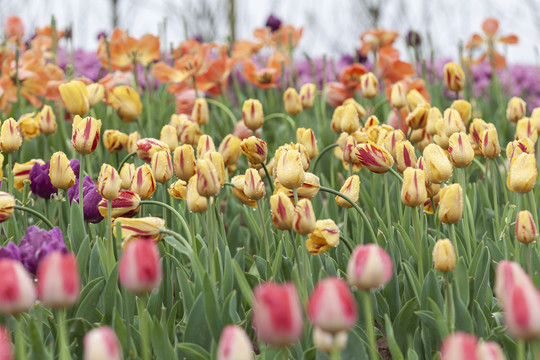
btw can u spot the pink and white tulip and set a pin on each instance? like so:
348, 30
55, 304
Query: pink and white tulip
6, 349
489, 350
234, 344
459, 346
17, 290
369, 267
101, 344
140, 266
59, 284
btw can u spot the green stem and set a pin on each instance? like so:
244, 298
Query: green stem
453, 239
266, 242
281, 116
126, 158
144, 328
232, 117
10, 173
396, 174
462, 182
495, 200
335, 352
211, 245
110, 239
35, 213
20, 345
268, 177
532, 205
301, 273
81, 177
450, 305
174, 212
295, 195
418, 239
368, 312
521, 349
63, 341
323, 151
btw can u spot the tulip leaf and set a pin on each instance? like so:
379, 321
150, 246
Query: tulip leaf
185, 289
109, 297
211, 309
463, 317
196, 330
395, 351
431, 290
90, 295
228, 274
160, 342
405, 323
461, 280
242, 282
412, 278
77, 232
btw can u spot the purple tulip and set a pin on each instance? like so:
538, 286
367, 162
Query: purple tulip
413, 39
91, 199
10, 251
40, 182
37, 244
273, 22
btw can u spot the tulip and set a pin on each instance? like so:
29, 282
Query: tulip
188, 131
13, 27
436, 164
143, 182
451, 204
206, 144
29, 126
522, 173
489, 350
398, 96
454, 78
75, 97
126, 102
459, 346
525, 227
308, 190
444, 257
414, 98
307, 95
60, 171
391, 139
324, 237
463, 107
147, 147
126, 174
109, 182
336, 119
518, 147
178, 190
207, 178
507, 275
6, 349
101, 343
369, 267
162, 168
306, 137
351, 189
476, 129
490, 143
348, 153
252, 113
521, 311
21, 172
91, 199
217, 161
460, 150
114, 140
516, 109
7, 204
374, 157
146, 227
238, 191
47, 120
417, 119
253, 185
405, 156
96, 93
282, 211
291, 101
169, 136
58, 282
304, 221
132, 140
195, 202
234, 344
369, 85
433, 118
277, 313
127, 204
450, 124
139, 269
326, 342
290, 172
200, 113
10, 136
413, 189
85, 134
17, 291
525, 128
229, 148
349, 120
37, 244
184, 162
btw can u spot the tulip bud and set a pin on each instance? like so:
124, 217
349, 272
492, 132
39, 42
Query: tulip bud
459, 346
234, 344
282, 211
195, 202
525, 129
525, 227
148, 147
7, 204
60, 171
217, 160
413, 189
139, 269
460, 150
436, 164
230, 150
75, 97
349, 120
434, 117
307, 95
405, 156
306, 137
109, 182
168, 136
277, 313
184, 162
454, 78
361, 112
17, 291
21, 172
324, 237
291, 100
414, 98
253, 185
127, 204
114, 140
85, 134
206, 144
369, 85
252, 113
188, 131
451, 204
348, 153
391, 139
134, 228
336, 119
132, 140
369, 267
476, 129
162, 166
10, 136
331, 306
463, 107
96, 93
351, 189
374, 157
417, 119
522, 173
101, 343
518, 147
521, 311
126, 102
444, 257
489, 350
451, 123
516, 109
143, 182
304, 217
398, 98
178, 190
238, 191
47, 121
290, 172
490, 143
58, 282
207, 178
200, 113
507, 275
126, 174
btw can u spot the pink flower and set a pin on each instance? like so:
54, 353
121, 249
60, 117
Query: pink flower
507, 275
17, 290
58, 279
489, 350
234, 344
6, 349
140, 266
332, 306
459, 346
277, 313
522, 311
369, 267
102, 344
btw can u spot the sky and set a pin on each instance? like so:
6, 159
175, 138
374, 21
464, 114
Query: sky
332, 26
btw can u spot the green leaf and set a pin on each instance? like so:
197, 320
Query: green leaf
193, 351
196, 330
390, 338
109, 297
89, 298
160, 342
405, 324
243, 284
431, 290
77, 226
211, 309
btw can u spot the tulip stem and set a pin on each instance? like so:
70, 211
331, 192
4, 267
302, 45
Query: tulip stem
532, 205
520, 349
175, 213
126, 158
335, 352
323, 151
368, 310
300, 268
282, 116
228, 111
417, 237
356, 207
468, 237
63, 342
268, 177
20, 350
396, 174
450, 316
266, 242
10, 173
35, 213
81, 176
495, 200
110, 239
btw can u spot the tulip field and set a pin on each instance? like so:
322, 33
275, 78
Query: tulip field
246, 201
